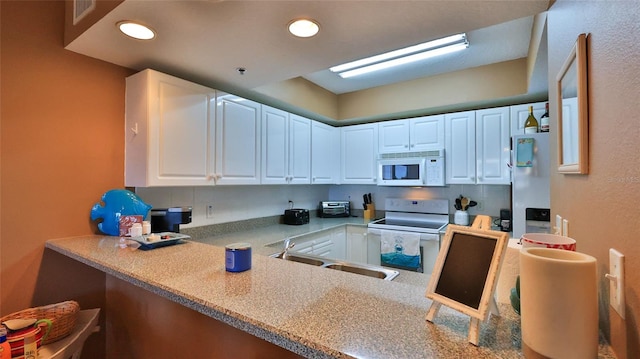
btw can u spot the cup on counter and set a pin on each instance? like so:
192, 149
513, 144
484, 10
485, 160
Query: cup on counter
237, 257
146, 227
135, 230
548, 241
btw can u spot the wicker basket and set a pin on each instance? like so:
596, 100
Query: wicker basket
63, 316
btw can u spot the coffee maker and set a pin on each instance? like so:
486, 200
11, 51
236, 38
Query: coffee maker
169, 219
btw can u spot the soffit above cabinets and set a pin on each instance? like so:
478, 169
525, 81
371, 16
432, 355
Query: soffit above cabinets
206, 41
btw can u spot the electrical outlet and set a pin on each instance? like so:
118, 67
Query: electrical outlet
209, 211
616, 281
479, 206
565, 227
558, 229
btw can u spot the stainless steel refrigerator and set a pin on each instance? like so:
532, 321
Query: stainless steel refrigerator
530, 187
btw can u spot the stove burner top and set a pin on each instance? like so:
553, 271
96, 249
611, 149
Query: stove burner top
413, 224
424, 216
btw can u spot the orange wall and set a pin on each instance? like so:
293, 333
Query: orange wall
62, 118
602, 207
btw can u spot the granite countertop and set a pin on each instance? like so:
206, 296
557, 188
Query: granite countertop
312, 311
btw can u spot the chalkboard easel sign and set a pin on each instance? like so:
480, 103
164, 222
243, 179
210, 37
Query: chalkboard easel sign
465, 274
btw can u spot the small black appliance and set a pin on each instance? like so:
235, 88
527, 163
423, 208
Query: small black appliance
169, 219
296, 216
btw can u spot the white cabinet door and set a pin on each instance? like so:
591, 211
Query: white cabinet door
519, 114
415, 134
393, 136
356, 245
299, 150
286, 147
303, 245
329, 243
460, 147
427, 133
493, 146
275, 146
359, 151
169, 131
237, 141
325, 149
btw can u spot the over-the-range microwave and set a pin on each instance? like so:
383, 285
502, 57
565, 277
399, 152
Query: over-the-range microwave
412, 169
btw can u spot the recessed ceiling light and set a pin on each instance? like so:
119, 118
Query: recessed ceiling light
136, 30
304, 27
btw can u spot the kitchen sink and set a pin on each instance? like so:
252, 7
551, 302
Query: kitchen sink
377, 273
362, 269
301, 259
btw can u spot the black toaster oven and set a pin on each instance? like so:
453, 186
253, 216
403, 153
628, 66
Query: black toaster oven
296, 216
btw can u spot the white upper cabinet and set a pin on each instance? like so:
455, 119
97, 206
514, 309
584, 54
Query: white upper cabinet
460, 147
519, 114
478, 147
286, 147
426, 133
325, 149
275, 145
359, 147
493, 146
169, 131
299, 150
238, 125
415, 134
393, 136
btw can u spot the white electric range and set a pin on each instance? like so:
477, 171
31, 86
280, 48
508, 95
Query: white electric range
428, 217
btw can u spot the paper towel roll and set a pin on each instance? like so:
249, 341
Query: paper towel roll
559, 303
509, 271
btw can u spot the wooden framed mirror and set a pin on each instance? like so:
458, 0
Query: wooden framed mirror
573, 117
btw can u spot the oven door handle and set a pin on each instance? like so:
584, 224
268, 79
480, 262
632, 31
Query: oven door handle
423, 236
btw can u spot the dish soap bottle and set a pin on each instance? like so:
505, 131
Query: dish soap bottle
531, 124
5, 348
544, 119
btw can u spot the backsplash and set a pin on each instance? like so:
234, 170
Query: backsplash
490, 198
236, 203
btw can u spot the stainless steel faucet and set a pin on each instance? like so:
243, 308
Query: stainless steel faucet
287, 245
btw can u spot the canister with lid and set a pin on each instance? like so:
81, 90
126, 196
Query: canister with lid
238, 257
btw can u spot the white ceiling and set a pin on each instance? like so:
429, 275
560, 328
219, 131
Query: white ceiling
210, 39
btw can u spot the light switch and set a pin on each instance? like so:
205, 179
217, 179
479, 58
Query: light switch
616, 281
558, 228
565, 227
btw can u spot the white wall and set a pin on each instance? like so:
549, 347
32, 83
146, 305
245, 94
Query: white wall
235, 203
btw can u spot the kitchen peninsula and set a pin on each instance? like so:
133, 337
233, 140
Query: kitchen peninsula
310, 311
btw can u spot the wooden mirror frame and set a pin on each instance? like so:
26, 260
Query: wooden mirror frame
575, 65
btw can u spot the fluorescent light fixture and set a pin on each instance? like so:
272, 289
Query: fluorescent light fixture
136, 30
403, 56
303, 27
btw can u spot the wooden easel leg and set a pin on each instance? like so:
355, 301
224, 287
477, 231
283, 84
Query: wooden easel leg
474, 331
493, 307
433, 310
